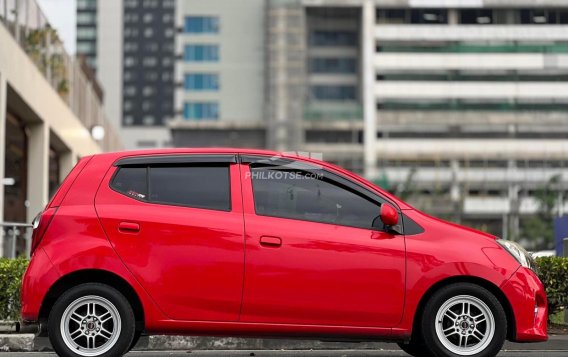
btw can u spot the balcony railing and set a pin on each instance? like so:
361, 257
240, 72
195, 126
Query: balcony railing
29, 27
334, 112
17, 239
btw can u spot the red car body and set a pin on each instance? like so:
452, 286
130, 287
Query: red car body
250, 275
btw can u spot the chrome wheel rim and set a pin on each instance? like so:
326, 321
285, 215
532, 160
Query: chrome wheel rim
90, 326
465, 325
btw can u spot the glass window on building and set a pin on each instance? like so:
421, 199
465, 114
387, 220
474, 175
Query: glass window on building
333, 65
429, 16
334, 38
201, 24
476, 16
86, 47
201, 53
86, 4
201, 81
543, 16
86, 18
201, 110
337, 92
392, 16
86, 33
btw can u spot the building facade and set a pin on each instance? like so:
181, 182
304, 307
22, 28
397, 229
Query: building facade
51, 115
219, 95
130, 44
460, 106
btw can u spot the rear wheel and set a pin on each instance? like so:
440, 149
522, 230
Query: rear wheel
464, 320
91, 320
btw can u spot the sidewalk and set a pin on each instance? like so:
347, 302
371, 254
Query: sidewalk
29, 343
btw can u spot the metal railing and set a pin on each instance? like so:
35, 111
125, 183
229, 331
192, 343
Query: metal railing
29, 27
17, 239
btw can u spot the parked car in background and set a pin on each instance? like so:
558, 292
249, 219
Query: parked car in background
229, 242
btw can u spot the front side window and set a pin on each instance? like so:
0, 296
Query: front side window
311, 196
200, 186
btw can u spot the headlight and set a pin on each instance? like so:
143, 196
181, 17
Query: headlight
519, 253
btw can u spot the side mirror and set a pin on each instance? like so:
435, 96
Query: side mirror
388, 215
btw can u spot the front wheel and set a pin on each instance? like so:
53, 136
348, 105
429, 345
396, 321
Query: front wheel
464, 320
91, 320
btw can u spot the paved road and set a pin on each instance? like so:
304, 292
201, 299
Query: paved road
340, 353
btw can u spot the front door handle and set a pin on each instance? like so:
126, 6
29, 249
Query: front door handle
268, 241
128, 227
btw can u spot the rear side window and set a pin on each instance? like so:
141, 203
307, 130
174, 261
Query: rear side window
193, 186
199, 186
132, 182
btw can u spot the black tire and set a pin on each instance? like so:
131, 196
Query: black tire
428, 323
135, 339
121, 341
416, 349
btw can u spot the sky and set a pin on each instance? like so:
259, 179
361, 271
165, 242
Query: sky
61, 14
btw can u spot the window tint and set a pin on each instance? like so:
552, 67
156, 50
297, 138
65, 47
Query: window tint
199, 186
194, 186
310, 196
132, 182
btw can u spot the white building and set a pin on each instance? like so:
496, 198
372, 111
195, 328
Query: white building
50, 108
464, 100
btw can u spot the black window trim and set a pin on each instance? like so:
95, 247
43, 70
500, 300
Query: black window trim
176, 159
336, 179
182, 163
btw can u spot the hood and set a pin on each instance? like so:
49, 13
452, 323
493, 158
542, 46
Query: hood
431, 224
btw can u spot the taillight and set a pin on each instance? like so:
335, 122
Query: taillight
40, 224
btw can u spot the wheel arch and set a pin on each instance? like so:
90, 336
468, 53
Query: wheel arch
511, 324
91, 276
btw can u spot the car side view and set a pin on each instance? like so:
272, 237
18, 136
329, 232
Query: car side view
235, 242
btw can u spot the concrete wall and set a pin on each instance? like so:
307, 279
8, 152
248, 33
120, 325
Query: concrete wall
25, 90
247, 138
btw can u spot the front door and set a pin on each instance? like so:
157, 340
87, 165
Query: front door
177, 224
316, 253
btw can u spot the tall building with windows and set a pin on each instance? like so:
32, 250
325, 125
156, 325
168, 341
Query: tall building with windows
87, 31
220, 73
130, 45
460, 105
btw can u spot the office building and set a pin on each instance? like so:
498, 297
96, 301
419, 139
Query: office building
130, 45
459, 105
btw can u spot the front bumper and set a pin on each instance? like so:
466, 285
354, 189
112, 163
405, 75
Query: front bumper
528, 300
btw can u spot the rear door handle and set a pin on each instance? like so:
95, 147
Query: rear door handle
268, 241
129, 227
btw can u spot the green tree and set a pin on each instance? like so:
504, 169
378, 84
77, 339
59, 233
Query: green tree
538, 229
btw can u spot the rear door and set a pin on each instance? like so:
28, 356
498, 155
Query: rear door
177, 223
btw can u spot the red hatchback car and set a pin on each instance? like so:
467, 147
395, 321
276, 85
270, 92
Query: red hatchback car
232, 242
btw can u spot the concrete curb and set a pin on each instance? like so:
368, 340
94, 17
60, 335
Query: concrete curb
30, 343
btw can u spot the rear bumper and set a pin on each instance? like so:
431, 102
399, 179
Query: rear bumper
528, 301
37, 280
